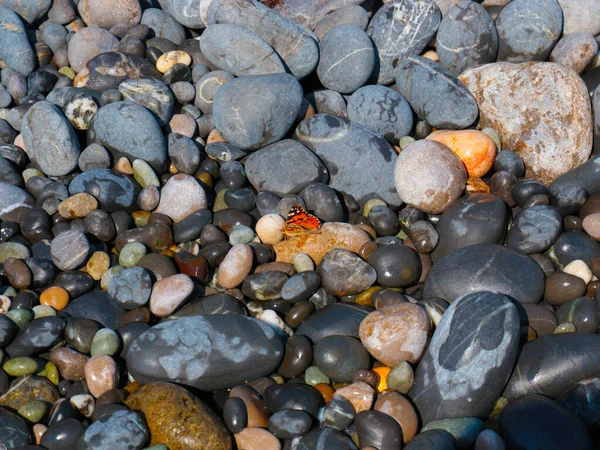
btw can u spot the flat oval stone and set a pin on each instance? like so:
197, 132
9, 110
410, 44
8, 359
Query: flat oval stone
485, 267
13, 198
87, 43
283, 168
582, 400
378, 430
432, 439
239, 51
69, 250
400, 30
13, 430
50, 139
534, 229
16, 53
193, 351
169, 294
341, 319
581, 16
186, 12
343, 145
435, 94
131, 287
248, 124
492, 349
573, 245
163, 25
528, 29
466, 37
343, 273
301, 397
130, 130
38, 336
525, 128
575, 51
353, 14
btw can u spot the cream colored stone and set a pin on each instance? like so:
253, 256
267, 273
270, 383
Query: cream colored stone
256, 439
181, 196
169, 59
169, 294
269, 228
235, 266
579, 269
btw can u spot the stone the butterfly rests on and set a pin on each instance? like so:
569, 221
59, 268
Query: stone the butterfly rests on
300, 222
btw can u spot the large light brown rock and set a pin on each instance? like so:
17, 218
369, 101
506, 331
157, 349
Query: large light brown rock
540, 110
316, 244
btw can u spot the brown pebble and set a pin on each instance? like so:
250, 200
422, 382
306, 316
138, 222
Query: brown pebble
360, 394
256, 439
235, 266
101, 374
70, 363
123, 165
77, 206
397, 406
18, 273
257, 413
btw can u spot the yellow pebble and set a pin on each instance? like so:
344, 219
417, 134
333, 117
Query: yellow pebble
55, 296
98, 264
383, 372
169, 59
364, 298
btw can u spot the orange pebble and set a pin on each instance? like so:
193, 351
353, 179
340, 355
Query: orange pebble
326, 391
132, 387
475, 149
56, 296
383, 373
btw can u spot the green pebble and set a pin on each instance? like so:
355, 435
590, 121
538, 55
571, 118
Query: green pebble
108, 276
13, 250
20, 366
143, 174
241, 234
219, 203
131, 254
30, 173
464, 429
105, 342
405, 141
372, 204
565, 327
34, 411
51, 373
401, 377
68, 71
4, 113
303, 262
313, 376
157, 447
43, 311
20, 316
9, 291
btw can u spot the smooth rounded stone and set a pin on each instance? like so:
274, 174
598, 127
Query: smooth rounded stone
157, 236
440, 175
541, 319
13, 430
130, 130
466, 37
131, 254
526, 129
181, 351
297, 48
339, 357
400, 409
534, 229
557, 427
497, 268
107, 14
63, 434
341, 319
581, 400
343, 273
20, 366
321, 439
256, 438
571, 246
352, 14
191, 227
581, 16
401, 30
396, 265
50, 140
8, 330
575, 51
207, 88
169, 294
464, 430
121, 430
378, 430
153, 95
323, 201
347, 59
284, 168
101, 374
343, 145
265, 285
328, 102
288, 424
88, 43
435, 94
98, 306
238, 117
131, 287
243, 199
473, 219
432, 440
549, 361
528, 30
239, 51
181, 196
37, 336
17, 52
296, 396
492, 350
70, 250
583, 312
13, 250
297, 358
163, 25
94, 157
396, 333
382, 110
235, 414
79, 333
70, 363
105, 342
13, 198
360, 395
235, 267
338, 413
301, 286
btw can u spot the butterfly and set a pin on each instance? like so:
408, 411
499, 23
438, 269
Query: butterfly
300, 222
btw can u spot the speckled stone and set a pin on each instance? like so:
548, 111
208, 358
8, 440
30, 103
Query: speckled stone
179, 419
121, 430
108, 13
152, 94
180, 197
581, 16
27, 389
101, 374
16, 53
575, 51
343, 273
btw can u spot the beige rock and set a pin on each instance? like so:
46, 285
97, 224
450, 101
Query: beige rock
235, 266
108, 13
169, 294
183, 124
77, 206
256, 439
360, 394
169, 59
181, 196
269, 228
101, 374
540, 110
316, 244
575, 51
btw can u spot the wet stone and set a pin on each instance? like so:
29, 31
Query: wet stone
39, 335
343, 273
535, 229
292, 396
339, 357
120, 430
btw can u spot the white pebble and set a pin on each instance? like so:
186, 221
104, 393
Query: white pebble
270, 317
579, 269
269, 228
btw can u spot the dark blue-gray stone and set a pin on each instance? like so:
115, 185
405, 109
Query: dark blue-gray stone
360, 161
534, 229
328, 102
342, 319
13, 430
551, 365
131, 287
9, 174
163, 25
466, 37
347, 59
400, 30
482, 267
223, 152
297, 49
130, 130
239, 51
209, 352
436, 94
354, 14
8, 331
528, 30
596, 110
16, 51
121, 430
98, 306
13, 197
186, 12
29, 10
572, 245
583, 400
382, 110
50, 140
38, 336
472, 219
284, 168
469, 358
432, 440
323, 201
152, 94
211, 304
113, 190
254, 111
535, 422
62, 95
587, 175
321, 439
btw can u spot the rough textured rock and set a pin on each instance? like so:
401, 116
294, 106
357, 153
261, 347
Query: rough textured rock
552, 130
